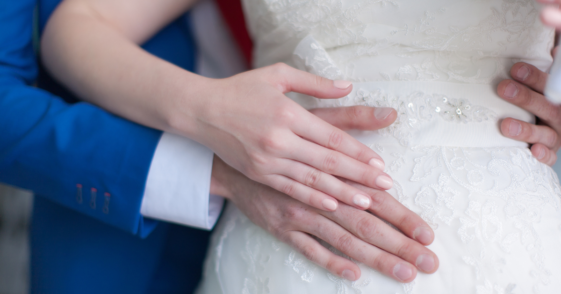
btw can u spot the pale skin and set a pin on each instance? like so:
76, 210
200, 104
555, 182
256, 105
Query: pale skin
360, 235
91, 46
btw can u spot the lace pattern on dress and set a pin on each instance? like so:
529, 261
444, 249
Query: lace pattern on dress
493, 197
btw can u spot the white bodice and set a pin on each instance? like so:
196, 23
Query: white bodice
437, 62
495, 209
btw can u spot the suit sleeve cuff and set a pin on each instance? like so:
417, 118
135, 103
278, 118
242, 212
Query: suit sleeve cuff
178, 184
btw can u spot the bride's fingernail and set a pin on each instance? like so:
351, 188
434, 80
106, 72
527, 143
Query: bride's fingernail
377, 163
349, 275
384, 182
381, 113
423, 235
514, 129
402, 272
522, 73
361, 201
340, 84
511, 90
425, 263
329, 204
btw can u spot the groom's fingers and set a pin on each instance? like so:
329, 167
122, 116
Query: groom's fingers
374, 231
530, 100
389, 209
544, 154
321, 256
357, 117
529, 75
530, 133
551, 16
361, 251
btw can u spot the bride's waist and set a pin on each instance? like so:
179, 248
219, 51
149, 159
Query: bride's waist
432, 113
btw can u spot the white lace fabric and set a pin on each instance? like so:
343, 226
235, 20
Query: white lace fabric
494, 208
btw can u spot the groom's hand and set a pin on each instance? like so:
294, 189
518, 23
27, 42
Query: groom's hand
363, 236
526, 90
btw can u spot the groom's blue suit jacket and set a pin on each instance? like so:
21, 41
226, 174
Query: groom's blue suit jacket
87, 168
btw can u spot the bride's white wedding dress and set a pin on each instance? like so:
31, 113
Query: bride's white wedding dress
495, 209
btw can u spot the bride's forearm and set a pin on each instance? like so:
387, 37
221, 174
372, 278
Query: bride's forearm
101, 62
245, 119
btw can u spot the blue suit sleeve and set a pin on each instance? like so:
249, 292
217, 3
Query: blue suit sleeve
76, 155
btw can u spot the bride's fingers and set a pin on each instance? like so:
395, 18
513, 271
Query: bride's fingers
371, 229
376, 258
318, 254
320, 132
335, 163
323, 182
357, 117
301, 192
389, 209
295, 80
530, 133
544, 154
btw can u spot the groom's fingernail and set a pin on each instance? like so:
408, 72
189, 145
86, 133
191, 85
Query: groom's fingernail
402, 272
540, 154
377, 163
425, 263
381, 113
341, 84
514, 129
329, 204
361, 201
511, 90
423, 235
522, 73
384, 182
349, 275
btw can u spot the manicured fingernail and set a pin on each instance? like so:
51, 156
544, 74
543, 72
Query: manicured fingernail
515, 128
522, 73
381, 113
423, 235
329, 204
340, 84
361, 201
377, 163
349, 275
511, 90
384, 182
541, 153
425, 263
402, 272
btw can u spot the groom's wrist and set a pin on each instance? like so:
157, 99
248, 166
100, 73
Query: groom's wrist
221, 178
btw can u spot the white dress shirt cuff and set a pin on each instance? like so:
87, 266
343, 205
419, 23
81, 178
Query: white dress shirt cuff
178, 184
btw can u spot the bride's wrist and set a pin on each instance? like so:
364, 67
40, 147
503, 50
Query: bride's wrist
184, 110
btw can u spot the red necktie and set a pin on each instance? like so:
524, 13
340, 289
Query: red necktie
233, 15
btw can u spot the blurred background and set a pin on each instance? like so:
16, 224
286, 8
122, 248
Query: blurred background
15, 211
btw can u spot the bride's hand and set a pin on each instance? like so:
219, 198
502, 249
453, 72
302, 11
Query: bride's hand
526, 90
249, 123
362, 236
